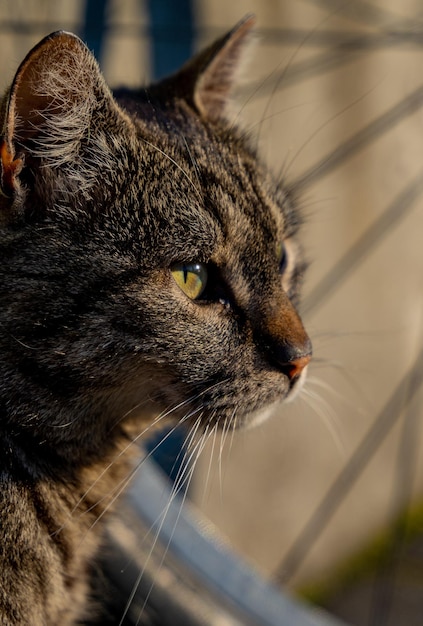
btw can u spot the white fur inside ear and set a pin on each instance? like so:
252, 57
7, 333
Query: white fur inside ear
55, 94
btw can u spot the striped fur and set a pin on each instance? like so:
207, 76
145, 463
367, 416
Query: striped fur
101, 194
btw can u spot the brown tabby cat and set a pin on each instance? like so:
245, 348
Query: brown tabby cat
148, 268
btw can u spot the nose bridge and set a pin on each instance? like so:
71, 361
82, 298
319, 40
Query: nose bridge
283, 324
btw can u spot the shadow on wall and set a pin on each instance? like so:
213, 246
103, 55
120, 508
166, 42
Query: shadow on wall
171, 32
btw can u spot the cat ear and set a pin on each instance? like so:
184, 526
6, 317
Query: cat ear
212, 73
49, 106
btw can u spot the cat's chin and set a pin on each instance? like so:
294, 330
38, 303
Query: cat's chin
258, 417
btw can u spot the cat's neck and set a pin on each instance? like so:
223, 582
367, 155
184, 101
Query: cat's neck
51, 535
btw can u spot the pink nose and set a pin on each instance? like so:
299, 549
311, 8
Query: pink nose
294, 368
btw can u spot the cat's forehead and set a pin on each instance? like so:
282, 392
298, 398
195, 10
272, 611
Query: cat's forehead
217, 190
240, 190
219, 166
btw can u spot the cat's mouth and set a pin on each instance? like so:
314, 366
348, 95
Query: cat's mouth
258, 416
245, 402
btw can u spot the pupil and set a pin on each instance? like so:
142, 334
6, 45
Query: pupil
283, 259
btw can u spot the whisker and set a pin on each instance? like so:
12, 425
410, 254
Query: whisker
313, 400
181, 169
291, 60
254, 93
116, 458
348, 376
225, 430
330, 120
233, 425
251, 127
211, 458
163, 415
123, 484
174, 492
193, 161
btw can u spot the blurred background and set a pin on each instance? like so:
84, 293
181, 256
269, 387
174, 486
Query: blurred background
327, 496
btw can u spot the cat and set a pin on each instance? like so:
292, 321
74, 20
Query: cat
150, 271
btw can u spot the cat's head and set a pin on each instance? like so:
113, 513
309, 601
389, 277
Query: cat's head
149, 262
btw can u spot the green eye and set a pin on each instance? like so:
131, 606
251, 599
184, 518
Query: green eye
191, 278
281, 256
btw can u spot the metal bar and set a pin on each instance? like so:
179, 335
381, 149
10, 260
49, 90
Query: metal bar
212, 562
399, 400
